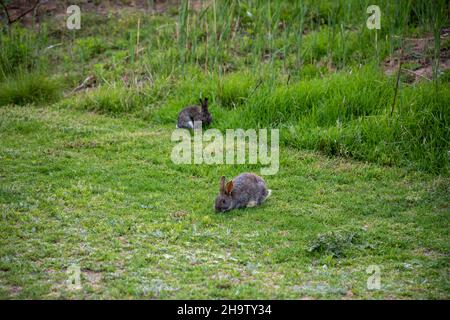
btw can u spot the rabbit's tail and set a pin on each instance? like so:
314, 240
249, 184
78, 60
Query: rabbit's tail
190, 125
269, 193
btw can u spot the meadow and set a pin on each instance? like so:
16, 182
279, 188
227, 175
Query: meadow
86, 178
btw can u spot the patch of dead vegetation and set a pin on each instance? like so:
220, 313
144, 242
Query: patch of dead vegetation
93, 277
179, 215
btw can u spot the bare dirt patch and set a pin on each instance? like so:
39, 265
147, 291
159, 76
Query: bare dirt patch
56, 8
417, 58
92, 277
14, 290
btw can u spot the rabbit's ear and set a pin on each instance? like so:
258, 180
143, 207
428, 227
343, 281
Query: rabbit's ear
205, 103
222, 184
201, 101
229, 187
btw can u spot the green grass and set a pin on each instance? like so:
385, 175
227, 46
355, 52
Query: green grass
21, 50
29, 88
343, 114
102, 193
86, 177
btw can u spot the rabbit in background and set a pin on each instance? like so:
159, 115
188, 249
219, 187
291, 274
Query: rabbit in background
246, 190
192, 117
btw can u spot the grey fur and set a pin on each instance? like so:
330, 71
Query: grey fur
190, 116
247, 190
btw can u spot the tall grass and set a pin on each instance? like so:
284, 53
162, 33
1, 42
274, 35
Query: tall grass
344, 114
348, 115
22, 51
29, 88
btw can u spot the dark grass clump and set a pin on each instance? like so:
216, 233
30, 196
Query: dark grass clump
106, 100
337, 244
29, 88
117, 99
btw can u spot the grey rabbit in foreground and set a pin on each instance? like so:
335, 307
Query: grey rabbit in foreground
246, 190
191, 116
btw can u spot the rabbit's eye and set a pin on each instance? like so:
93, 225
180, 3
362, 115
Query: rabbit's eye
223, 201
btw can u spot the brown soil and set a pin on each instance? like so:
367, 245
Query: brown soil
417, 59
57, 8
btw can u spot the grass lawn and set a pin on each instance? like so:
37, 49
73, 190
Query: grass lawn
88, 189
101, 193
